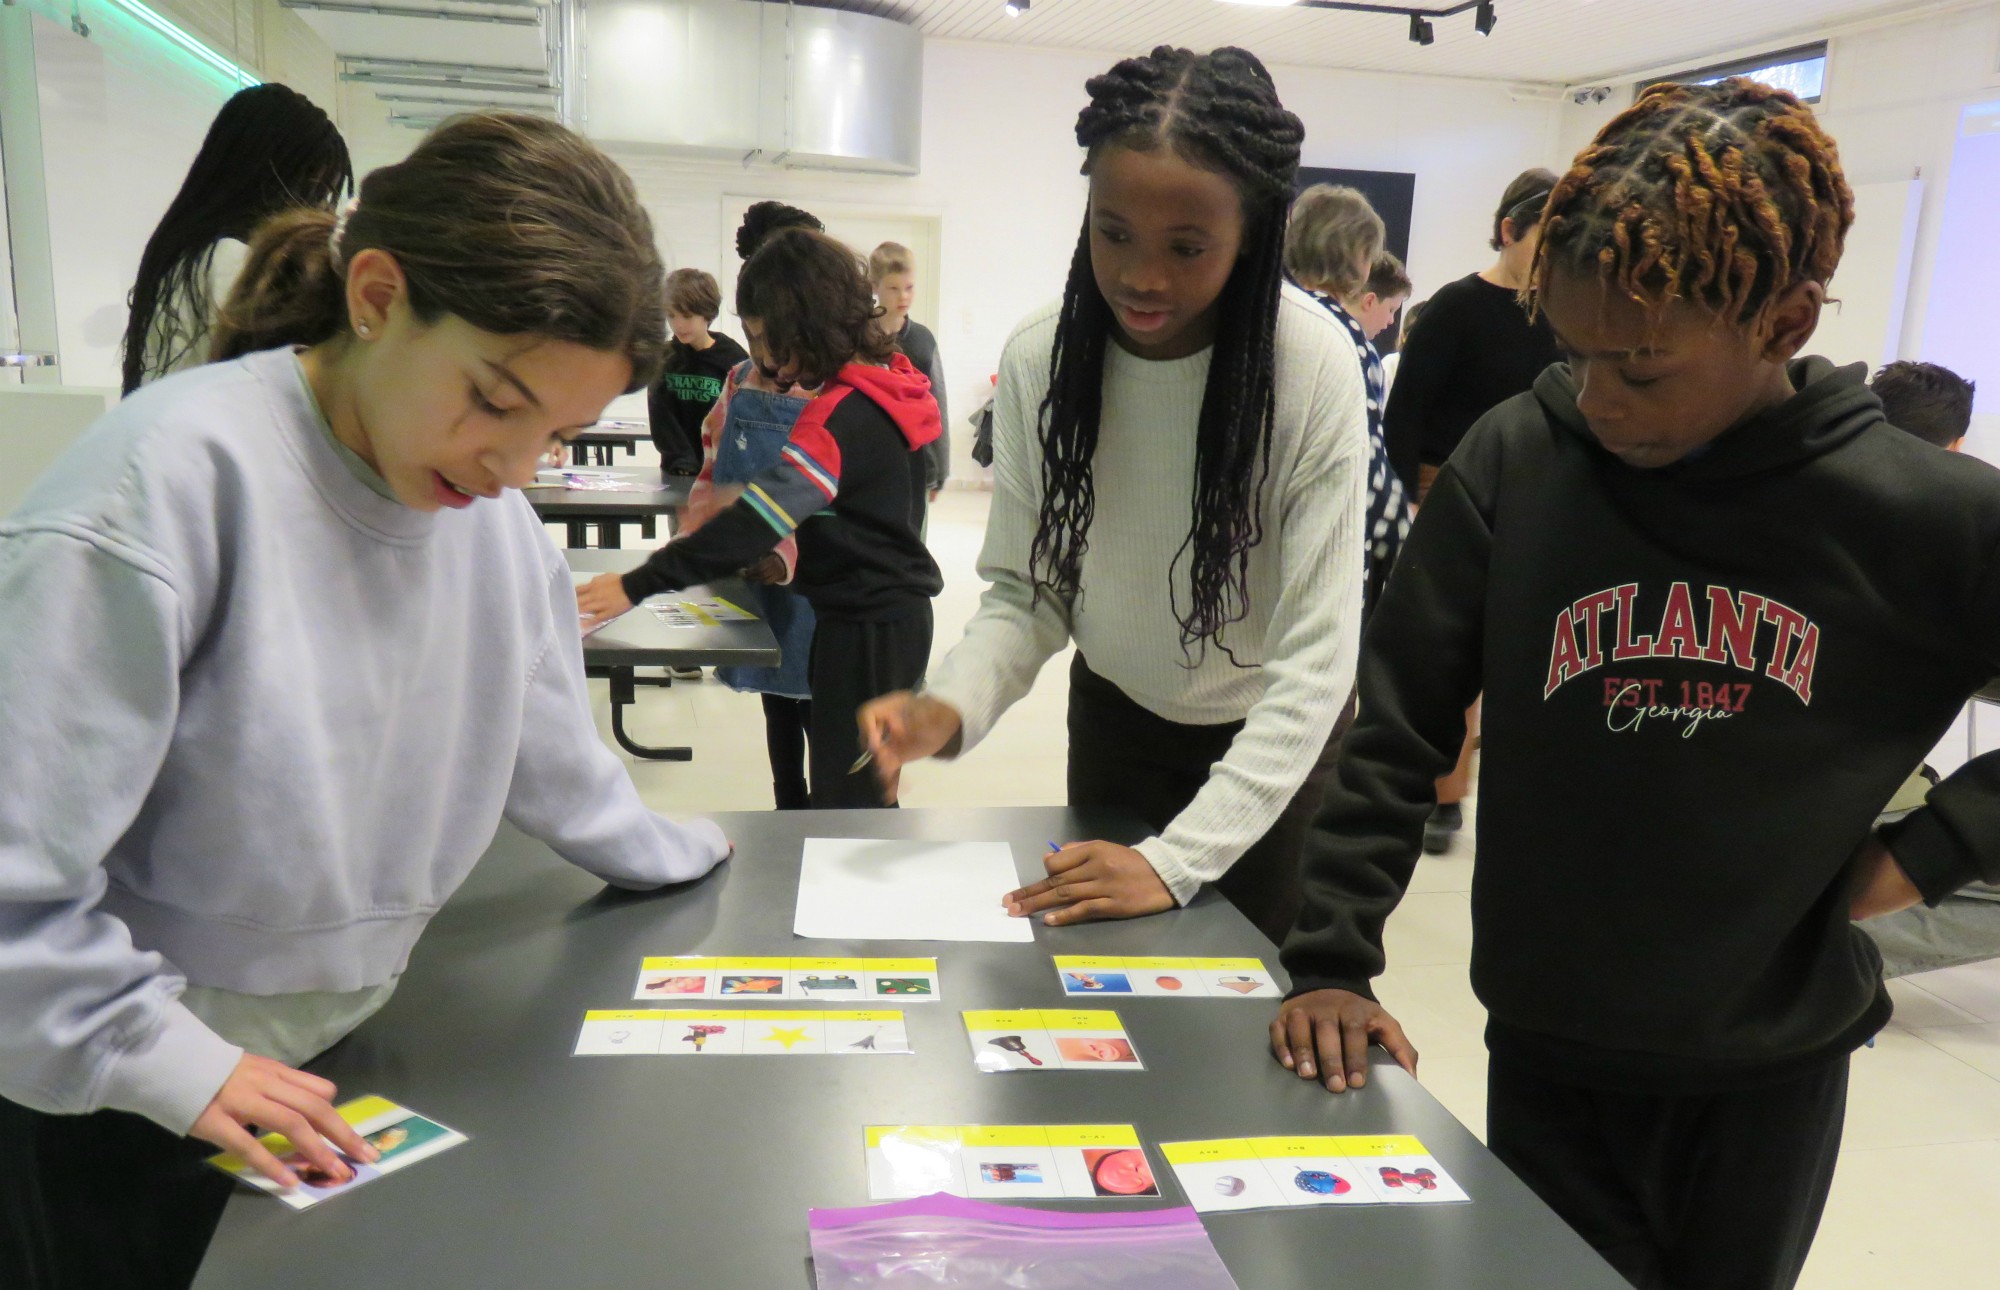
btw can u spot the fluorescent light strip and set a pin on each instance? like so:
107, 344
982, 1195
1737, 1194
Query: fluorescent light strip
187, 42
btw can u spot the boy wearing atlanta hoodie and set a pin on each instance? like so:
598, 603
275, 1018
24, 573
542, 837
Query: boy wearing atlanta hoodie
1718, 609
850, 485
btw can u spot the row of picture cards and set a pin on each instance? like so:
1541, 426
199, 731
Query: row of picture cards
1008, 1161
400, 1135
1166, 978
1268, 1173
833, 980
712, 1033
1050, 1039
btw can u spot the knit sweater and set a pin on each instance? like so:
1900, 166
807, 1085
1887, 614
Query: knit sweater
1296, 644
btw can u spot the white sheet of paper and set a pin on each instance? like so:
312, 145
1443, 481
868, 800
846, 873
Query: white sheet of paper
867, 889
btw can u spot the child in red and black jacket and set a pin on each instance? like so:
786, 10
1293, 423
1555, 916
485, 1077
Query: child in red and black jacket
849, 484
1718, 610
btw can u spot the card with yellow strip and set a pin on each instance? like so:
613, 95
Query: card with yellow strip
1006, 1162
400, 1135
738, 1032
1056, 1039
1165, 978
795, 980
1274, 1173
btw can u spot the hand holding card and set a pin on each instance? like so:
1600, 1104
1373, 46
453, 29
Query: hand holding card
274, 1096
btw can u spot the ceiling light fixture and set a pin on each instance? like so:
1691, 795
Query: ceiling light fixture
1015, 8
1423, 31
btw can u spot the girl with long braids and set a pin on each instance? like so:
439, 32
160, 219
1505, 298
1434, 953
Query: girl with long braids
269, 150
1180, 456
1718, 609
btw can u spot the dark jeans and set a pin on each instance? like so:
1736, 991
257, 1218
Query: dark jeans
107, 1201
853, 662
1125, 758
786, 722
1711, 1191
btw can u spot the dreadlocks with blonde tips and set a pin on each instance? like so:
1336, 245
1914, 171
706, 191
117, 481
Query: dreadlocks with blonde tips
1725, 195
1221, 111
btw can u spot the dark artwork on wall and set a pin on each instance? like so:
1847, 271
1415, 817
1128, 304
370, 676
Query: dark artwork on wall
1393, 194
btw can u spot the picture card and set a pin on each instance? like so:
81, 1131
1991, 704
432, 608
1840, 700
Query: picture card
702, 1032
712, 611
799, 980
1272, 1173
1050, 1039
1002, 1162
887, 889
1166, 978
401, 1136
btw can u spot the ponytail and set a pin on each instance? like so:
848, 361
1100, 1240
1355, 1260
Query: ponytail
289, 292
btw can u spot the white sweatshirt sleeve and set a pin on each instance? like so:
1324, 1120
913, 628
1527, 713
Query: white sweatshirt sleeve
90, 650
1311, 644
572, 792
1012, 634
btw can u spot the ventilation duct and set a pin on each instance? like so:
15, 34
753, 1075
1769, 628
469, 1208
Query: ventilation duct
772, 84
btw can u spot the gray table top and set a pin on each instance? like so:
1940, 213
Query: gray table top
640, 639
613, 432
590, 504
644, 1171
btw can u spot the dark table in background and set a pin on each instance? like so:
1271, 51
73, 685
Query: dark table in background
602, 441
639, 639
608, 1173
582, 508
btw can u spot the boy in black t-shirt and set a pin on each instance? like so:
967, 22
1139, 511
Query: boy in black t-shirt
698, 360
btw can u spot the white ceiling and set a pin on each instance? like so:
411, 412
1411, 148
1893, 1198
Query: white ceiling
1561, 41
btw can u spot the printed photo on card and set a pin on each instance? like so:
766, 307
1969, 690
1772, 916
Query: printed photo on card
996, 1162
689, 978
860, 1033
401, 1136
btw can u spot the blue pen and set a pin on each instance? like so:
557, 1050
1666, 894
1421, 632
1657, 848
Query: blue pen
1053, 848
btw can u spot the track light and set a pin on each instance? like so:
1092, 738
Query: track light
1421, 31
1484, 18
1015, 8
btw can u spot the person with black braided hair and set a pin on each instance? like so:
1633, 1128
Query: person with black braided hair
1681, 570
1181, 455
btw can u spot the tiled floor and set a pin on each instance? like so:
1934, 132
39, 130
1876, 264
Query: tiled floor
1920, 1170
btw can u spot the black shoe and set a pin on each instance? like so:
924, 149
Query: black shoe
1446, 819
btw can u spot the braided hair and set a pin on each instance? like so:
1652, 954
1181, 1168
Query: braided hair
1221, 112
1725, 195
268, 150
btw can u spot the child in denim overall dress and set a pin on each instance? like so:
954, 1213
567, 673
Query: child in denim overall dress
741, 438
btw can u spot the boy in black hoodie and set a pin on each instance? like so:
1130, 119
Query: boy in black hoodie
1682, 571
849, 484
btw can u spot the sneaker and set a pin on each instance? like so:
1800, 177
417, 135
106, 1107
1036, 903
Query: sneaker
1446, 819
684, 673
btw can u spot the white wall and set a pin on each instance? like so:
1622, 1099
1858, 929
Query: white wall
118, 117
1000, 172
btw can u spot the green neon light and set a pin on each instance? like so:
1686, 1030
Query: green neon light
167, 28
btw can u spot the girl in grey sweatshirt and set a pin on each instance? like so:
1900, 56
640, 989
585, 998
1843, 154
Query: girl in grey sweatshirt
279, 649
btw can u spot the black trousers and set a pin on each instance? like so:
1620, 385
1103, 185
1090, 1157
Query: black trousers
786, 722
108, 1201
1125, 758
1713, 1191
853, 662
